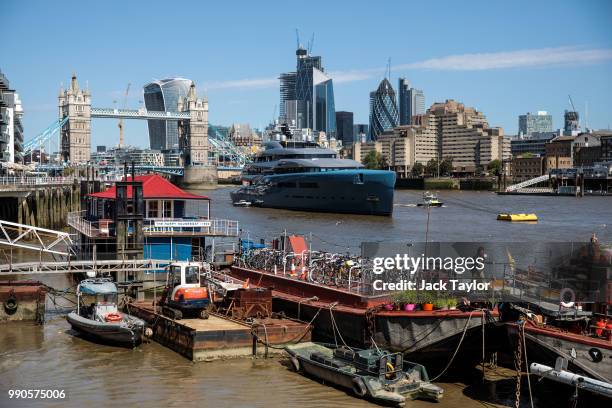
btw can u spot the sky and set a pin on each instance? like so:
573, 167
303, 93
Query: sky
503, 58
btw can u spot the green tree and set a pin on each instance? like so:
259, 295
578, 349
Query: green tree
375, 161
417, 169
494, 167
446, 166
431, 169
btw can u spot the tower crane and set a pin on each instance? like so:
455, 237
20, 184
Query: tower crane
120, 124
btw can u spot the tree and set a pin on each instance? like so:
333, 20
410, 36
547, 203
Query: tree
494, 167
431, 169
446, 166
375, 161
417, 169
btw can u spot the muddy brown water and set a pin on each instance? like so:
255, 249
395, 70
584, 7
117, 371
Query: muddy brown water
54, 357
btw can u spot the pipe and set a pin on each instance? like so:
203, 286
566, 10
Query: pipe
569, 378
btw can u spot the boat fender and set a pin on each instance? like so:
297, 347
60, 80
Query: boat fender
563, 297
295, 363
359, 387
11, 304
595, 354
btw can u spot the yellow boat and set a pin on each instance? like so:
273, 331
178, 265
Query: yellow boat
517, 217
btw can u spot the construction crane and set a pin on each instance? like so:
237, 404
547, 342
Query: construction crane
121, 140
310, 44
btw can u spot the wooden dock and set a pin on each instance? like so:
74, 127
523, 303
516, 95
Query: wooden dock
220, 336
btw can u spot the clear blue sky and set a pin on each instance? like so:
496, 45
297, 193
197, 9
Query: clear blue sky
529, 54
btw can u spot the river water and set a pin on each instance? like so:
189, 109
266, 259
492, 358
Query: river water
466, 216
53, 357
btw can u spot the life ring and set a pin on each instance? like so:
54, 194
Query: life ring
562, 297
359, 387
11, 304
113, 317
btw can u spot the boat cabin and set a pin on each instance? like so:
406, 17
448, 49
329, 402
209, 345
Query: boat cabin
147, 217
96, 298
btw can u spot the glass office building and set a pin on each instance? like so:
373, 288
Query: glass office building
164, 95
344, 127
287, 95
383, 109
411, 102
539, 123
324, 112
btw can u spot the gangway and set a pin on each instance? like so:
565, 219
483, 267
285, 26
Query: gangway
88, 266
39, 239
527, 183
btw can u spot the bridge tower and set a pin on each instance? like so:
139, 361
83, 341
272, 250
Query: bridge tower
76, 133
193, 139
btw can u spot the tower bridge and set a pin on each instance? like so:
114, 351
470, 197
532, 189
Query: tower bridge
203, 152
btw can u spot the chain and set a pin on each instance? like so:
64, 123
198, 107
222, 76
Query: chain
518, 355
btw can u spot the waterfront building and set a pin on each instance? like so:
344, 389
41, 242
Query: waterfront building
559, 153
571, 123
534, 144
527, 167
411, 102
164, 95
383, 109
463, 134
401, 148
344, 127
173, 157
606, 147
242, 135
117, 156
11, 126
538, 123
100, 149
586, 149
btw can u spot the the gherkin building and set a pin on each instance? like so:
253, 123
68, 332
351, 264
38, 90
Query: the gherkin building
383, 109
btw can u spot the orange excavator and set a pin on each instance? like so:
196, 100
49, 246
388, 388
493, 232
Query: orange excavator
183, 295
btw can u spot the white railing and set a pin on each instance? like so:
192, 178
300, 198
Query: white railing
35, 181
193, 227
77, 221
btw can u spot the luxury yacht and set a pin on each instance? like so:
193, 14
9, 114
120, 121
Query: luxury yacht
303, 176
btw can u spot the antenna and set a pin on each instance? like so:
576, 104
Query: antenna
388, 73
586, 115
297, 37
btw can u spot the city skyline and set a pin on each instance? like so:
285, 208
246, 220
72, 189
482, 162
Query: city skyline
505, 74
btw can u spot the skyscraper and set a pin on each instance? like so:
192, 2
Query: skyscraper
411, 102
307, 96
383, 109
11, 127
344, 127
404, 102
530, 123
164, 95
287, 94
571, 122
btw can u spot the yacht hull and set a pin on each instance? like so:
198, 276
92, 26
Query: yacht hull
340, 191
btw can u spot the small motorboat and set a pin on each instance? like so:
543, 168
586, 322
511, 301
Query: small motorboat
100, 319
430, 200
517, 217
372, 373
241, 203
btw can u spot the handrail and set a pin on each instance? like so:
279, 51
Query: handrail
35, 181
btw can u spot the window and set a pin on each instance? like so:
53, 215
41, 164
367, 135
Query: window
167, 209
192, 274
153, 209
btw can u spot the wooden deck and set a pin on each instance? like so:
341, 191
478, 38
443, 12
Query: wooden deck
219, 336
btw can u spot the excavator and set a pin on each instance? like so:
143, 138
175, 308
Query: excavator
183, 296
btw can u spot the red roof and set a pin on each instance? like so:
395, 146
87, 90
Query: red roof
154, 186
